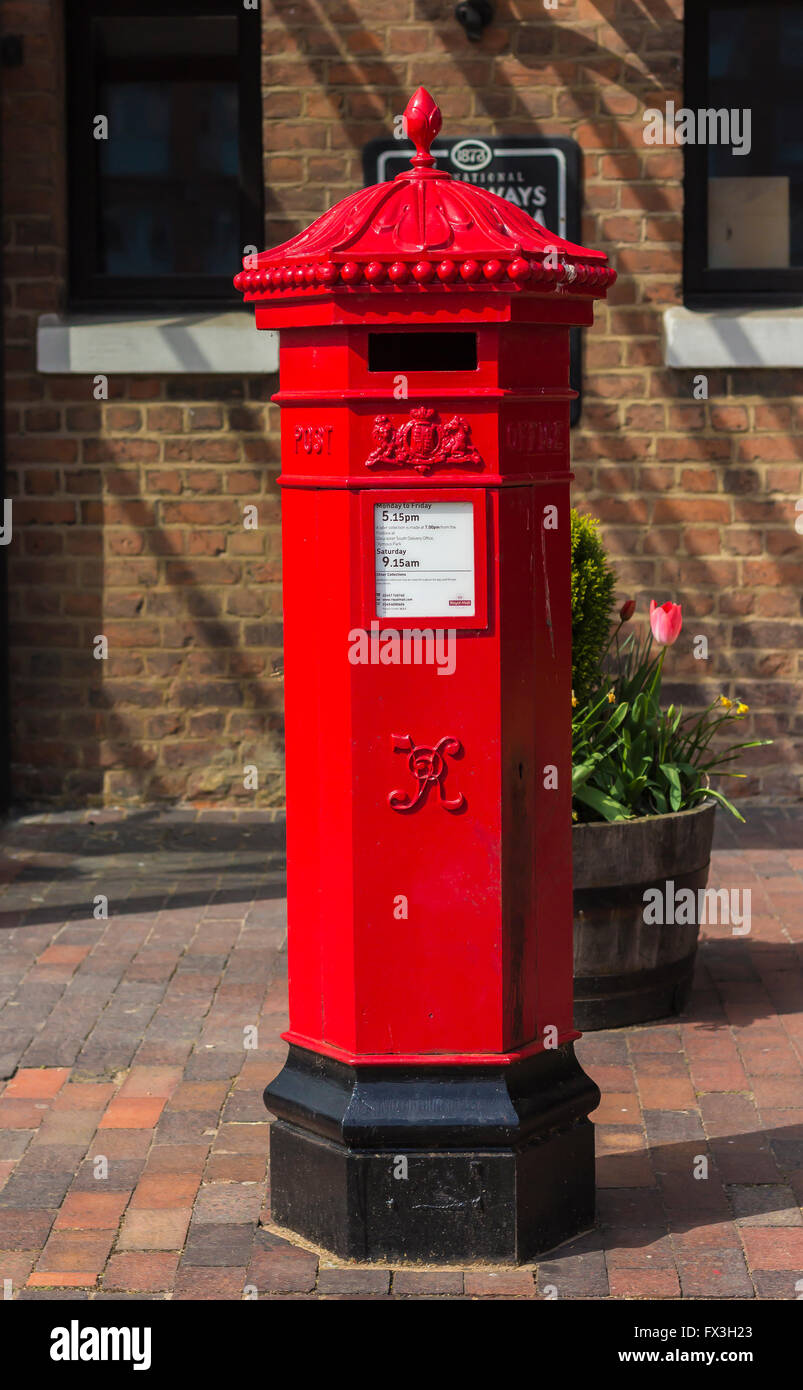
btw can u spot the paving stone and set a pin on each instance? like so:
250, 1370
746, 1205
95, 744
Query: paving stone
787, 1151
577, 1276
416, 1283
15, 1265
139, 1112
353, 1281
228, 1203
778, 1284
247, 1106
282, 1269
638, 1250
747, 1159
164, 1190
115, 1144
183, 1159
666, 1093
618, 1108
122, 1175
644, 1283
85, 1095
60, 1133
717, 1274
242, 1138
766, 1205
236, 1168
147, 1272
145, 1082
629, 1207
22, 1114
26, 1188
83, 1251
673, 1127
35, 1083
698, 1237
186, 1126
197, 1281
505, 1283
654, 1039
25, 1229
161, 1229
219, 1244
50, 1158
199, 1095
14, 1142
774, 1248
87, 1211
213, 1066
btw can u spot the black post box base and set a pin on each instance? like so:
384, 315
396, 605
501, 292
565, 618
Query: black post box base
437, 1164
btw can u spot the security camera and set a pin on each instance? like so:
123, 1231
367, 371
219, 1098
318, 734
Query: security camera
474, 15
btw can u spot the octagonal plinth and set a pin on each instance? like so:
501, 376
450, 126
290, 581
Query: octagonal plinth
437, 1163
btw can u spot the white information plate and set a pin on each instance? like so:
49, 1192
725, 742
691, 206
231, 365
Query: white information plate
424, 559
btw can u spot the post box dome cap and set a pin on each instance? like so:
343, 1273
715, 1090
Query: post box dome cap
424, 229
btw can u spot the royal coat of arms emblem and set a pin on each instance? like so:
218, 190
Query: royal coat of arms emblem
423, 442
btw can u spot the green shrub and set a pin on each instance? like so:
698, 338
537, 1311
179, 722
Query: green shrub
593, 584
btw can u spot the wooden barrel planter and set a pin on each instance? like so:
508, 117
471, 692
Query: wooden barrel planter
627, 970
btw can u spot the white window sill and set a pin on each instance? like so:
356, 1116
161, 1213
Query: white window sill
224, 343
733, 337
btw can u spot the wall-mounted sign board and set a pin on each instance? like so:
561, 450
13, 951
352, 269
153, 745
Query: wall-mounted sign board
538, 174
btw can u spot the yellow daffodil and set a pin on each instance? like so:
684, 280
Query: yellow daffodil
611, 698
574, 700
742, 708
725, 702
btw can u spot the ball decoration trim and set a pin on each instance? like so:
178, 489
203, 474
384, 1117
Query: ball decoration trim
511, 276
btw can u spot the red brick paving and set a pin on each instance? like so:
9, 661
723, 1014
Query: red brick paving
133, 1140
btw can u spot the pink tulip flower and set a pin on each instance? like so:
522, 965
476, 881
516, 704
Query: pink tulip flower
665, 622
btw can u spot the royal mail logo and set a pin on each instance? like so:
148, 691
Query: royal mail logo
423, 442
428, 766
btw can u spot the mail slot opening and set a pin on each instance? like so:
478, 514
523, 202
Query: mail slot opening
422, 352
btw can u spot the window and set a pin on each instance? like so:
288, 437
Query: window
164, 122
744, 173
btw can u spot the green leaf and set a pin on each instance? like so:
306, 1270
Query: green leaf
704, 792
618, 716
675, 789
605, 806
582, 771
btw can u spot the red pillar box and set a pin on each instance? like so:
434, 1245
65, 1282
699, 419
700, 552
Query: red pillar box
431, 1106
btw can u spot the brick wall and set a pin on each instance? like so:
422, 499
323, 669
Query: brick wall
130, 511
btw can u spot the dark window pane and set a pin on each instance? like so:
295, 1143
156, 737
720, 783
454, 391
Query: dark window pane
162, 209
169, 191
754, 197
168, 180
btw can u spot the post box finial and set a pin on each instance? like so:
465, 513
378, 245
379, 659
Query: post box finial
422, 121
